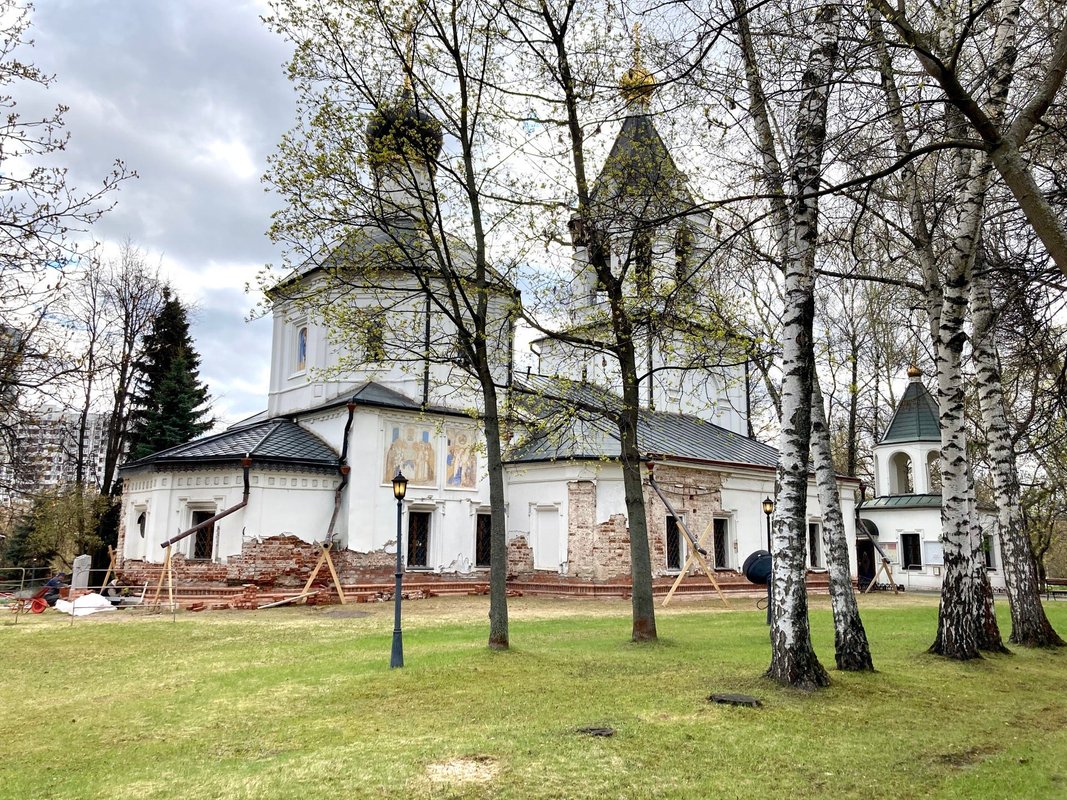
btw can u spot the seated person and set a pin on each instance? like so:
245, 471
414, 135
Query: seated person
52, 593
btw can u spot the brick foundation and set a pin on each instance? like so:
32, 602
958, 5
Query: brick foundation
283, 561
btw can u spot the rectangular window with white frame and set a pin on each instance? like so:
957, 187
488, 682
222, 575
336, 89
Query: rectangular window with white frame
911, 551
418, 550
674, 544
815, 545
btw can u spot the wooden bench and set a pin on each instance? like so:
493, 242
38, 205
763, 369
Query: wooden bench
1055, 587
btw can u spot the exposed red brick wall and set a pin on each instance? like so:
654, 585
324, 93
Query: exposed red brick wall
697, 494
611, 548
138, 573
581, 522
520, 557
600, 551
275, 561
289, 560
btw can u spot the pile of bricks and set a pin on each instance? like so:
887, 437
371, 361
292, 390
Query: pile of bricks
248, 599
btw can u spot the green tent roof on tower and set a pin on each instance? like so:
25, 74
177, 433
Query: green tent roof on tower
916, 417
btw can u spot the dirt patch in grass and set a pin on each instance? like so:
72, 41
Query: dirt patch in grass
965, 758
469, 769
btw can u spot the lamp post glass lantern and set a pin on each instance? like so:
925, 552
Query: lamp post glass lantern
400, 488
768, 509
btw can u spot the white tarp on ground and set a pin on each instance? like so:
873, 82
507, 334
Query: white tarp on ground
85, 605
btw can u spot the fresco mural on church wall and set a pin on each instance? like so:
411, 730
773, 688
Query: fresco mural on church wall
411, 448
461, 462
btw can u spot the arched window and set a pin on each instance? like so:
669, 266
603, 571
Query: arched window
301, 349
900, 475
933, 472
643, 260
683, 249
142, 521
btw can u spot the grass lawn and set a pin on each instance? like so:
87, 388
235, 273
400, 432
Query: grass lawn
300, 703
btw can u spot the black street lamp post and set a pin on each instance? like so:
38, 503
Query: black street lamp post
768, 509
400, 488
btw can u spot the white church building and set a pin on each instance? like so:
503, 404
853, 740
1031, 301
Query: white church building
903, 519
341, 418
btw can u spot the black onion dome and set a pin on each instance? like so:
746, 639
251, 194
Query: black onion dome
400, 130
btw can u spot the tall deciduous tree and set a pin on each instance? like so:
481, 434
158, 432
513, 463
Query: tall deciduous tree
851, 647
38, 213
793, 661
134, 299
938, 49
432, 217
614, 223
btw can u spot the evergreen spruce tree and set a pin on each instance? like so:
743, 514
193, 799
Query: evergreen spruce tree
171, 403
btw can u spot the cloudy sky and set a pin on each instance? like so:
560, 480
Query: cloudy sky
192, 95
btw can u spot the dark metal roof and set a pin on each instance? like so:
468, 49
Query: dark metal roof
640, 165
916, 417
277, 441
374, 394
586, 433
397, 243
902, 501
867, 527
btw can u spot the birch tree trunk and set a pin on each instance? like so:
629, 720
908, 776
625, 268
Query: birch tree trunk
1029, 624
965, 620
851, 649
793, 661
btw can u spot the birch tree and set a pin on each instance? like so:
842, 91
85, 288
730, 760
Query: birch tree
793, 661
1004, 139
992, 45
794, 234
1029, 624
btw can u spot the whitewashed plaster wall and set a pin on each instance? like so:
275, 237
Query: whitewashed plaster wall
371, 507
893, 523
538, 506
279, 502
715, 396
743, 492
296, 387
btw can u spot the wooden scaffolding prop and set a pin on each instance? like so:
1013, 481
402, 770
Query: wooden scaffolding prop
885, 567
167, 573
327, 561
110, 568
694, 546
